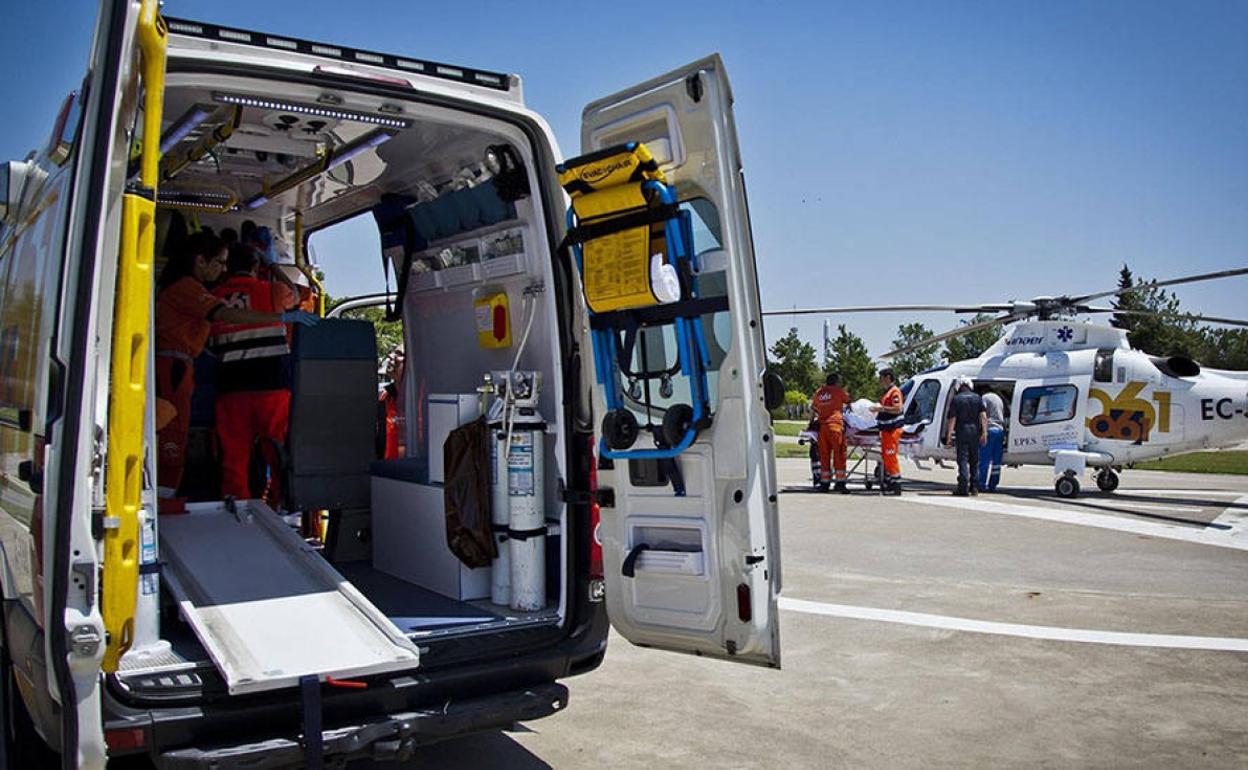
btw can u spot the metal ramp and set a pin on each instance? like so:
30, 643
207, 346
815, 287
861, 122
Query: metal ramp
265, 605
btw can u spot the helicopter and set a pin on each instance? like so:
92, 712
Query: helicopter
1077, 396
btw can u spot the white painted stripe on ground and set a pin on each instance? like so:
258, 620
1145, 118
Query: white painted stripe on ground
1235, 519
1124, 492
1053, 633
1160, 507
1205, 536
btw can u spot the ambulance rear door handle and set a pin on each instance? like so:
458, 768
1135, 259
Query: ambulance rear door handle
629, 569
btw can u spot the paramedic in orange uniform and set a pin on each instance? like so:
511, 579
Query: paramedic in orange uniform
829, 404
253, 400
390, 410
888, 417
185, 310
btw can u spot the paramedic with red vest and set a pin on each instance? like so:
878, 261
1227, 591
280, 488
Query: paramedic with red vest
185, 312
253, 392
888, 418
829, 404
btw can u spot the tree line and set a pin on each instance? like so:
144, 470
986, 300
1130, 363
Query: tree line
1171, 331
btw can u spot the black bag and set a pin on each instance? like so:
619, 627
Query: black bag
466, 456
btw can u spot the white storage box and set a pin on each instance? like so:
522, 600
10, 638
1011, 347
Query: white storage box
409, 541
447, 411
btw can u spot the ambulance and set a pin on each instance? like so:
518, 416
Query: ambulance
217, 635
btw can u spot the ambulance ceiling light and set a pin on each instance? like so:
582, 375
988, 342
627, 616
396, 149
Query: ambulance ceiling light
334, 113
189, 121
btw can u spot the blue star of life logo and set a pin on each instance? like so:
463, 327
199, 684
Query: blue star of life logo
1065, 334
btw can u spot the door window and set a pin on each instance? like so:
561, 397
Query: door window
1048, 403
923, 405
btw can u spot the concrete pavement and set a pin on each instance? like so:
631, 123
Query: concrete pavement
857, 692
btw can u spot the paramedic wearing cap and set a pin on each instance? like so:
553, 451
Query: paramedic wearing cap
253, 399
888, 418
967, 429
829, 404
990, 456
185, 311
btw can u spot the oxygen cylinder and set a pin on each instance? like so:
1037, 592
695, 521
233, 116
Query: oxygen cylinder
500, 518
527, 520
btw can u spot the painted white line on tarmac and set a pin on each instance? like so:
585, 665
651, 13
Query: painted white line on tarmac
1204, 536
1159, 507
1127, 493
1053, 633
1235, 519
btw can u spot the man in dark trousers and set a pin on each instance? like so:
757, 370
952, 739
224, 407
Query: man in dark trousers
967, 429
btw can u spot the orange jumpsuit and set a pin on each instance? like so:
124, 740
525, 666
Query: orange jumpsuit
184, 312
890, 438
253, 387
828, 404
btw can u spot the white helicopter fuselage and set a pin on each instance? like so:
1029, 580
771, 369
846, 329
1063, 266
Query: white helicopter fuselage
1078, 388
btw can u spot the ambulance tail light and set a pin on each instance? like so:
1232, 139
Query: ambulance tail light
126, 739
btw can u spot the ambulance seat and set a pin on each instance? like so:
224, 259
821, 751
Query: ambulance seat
333, 410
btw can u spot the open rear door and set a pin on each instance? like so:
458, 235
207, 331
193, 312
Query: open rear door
698, 572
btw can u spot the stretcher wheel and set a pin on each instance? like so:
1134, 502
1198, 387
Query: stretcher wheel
676, 423
620, 429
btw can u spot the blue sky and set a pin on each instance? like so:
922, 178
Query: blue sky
895, 152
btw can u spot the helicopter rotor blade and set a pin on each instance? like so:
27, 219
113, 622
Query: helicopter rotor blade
1157, 285
958, 332
1164, 314
873, 309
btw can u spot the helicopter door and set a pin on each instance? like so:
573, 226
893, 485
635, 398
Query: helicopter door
698, 571
1048, 414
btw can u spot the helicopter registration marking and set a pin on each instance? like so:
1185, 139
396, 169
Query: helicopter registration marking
1127, 416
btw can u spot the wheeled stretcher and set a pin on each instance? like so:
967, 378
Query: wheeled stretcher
633, 247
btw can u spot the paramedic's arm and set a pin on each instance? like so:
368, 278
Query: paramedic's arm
949, 429
234, 315
290, 300
983, 428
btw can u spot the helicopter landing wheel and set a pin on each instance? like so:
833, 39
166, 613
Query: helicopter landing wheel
1067, 486
1107, 480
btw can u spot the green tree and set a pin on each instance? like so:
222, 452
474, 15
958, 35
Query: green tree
1126, 301
846, 355
1166, 332
1225, 348
794, 360
972, 344
909, 364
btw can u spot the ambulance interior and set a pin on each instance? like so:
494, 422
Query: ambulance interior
457, 203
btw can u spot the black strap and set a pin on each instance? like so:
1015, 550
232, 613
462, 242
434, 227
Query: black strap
601, 226
151, 569
313, 741
526, 534
656, 315
629, 568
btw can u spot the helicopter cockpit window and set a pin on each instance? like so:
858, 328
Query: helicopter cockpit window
1047, 403
923, 405
1103, 367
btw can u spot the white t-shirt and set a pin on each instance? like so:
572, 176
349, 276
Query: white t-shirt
995, 409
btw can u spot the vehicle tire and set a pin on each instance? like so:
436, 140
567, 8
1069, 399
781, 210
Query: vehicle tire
1067, 486
1107, 481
